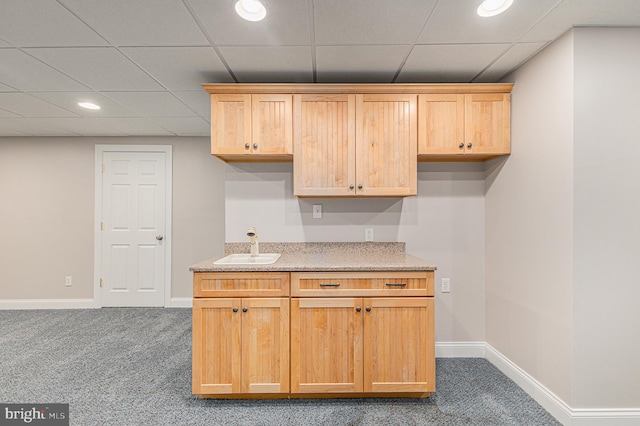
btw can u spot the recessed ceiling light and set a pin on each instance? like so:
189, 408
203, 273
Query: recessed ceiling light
251, 10
88, 105
493, 7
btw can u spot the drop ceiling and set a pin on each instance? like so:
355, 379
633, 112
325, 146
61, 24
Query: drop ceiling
143, 60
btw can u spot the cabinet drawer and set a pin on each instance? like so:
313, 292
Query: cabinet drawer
318, 284
240, 284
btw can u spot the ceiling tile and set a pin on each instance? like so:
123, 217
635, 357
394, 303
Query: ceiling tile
152, 104
44, 23
287, 64
136, 126
443, 63
456, 21
5, 88
85, 126
367, 22
140, 22
7, 114
287, 22
69, 101
570, 13
35, 127
506, 63
358, 64
197, 100
27, 73
184, 126
98, 68
29, 106
6, 130
184, 68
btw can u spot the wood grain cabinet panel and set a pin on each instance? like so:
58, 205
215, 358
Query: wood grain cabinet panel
398, 345
324, 145
456, 127
240, 344
355, 345
247, 127
355, 145
326, 345
386, 144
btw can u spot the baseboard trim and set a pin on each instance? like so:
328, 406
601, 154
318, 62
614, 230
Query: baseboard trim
556, 406
180, 302
460, 349
15, 304
543, 396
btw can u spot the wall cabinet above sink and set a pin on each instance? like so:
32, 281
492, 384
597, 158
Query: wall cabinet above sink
359, 140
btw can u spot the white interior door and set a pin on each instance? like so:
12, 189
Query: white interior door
133, 228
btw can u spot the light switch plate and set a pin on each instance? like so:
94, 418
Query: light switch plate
446, 285
317, 211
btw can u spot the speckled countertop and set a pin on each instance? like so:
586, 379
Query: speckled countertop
323, 257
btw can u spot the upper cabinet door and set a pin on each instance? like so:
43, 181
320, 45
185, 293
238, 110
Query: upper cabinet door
272, 128
230, 124
487, 123
386, 144
244, 125
324, 145
441, 128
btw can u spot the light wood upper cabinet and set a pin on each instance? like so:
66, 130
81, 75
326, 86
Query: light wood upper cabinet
251, 126
476, 126
324, 145
355, 145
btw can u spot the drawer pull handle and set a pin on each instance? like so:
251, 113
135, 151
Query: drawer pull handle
396, 284
329, 284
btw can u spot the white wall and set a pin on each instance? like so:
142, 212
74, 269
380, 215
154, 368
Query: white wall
443, 224
607, 218
529, 220
47, 210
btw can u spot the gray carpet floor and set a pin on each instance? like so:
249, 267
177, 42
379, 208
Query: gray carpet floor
132, 366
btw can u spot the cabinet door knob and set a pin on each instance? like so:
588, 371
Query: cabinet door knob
235, 309
368, 308
358, 308
360, 186
461, 145
351, 186
469, 145
255, 146
245, 309
246, 146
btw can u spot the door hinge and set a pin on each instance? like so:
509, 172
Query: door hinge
102, 226
103, 168
100, 282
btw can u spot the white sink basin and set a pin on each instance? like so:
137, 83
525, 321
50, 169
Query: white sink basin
247, 259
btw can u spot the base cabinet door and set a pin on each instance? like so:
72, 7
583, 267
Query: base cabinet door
326, 345
240, 345
216, 346
398, 345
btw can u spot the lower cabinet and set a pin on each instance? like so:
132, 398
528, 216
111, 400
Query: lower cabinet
370, 345
342, 333
240, 345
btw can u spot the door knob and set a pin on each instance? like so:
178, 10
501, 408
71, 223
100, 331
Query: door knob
159, 237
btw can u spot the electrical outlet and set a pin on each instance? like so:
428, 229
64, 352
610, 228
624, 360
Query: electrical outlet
317, 211
67, 281
368, 234
446, 285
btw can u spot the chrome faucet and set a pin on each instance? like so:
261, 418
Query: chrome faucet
253, 239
